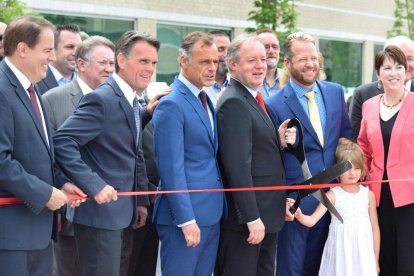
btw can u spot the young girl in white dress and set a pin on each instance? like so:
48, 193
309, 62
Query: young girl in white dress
352, 247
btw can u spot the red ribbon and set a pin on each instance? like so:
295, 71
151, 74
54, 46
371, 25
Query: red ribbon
14, 200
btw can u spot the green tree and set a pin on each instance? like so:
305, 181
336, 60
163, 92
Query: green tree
279, 15
404, 18
11, 9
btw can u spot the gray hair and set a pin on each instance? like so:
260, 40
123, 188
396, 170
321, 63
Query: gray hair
190, 40
233, 53
84, 50
399, 40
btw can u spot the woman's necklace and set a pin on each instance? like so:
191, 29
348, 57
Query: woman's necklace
390, 108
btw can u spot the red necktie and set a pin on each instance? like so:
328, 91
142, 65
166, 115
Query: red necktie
260, 101
35, 104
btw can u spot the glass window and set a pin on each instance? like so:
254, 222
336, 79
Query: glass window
343, 62
109, 28
170, 37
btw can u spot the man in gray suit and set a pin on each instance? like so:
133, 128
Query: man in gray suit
95, 63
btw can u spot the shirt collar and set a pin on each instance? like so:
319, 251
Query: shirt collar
300, 91
24, 81
251, 91
125, 88
189, 85
83, 86
58, 76
218, 88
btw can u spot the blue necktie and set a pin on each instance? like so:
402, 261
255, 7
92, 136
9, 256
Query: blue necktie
136, 107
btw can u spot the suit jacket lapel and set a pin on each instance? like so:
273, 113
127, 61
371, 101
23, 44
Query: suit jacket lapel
76, 93
293, 103
198, 108
329, 109
252, 102
399, 124
126, 107
24, 97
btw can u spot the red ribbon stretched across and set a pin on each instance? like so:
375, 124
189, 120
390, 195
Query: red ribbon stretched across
14, 200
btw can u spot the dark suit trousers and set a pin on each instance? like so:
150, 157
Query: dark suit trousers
397, 241
140, 251
99, 250
239, 258
25, 263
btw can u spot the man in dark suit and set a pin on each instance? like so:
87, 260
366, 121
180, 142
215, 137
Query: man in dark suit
250, 156
99, 149
3, 27
26, 152
300, 248
95, 63
62, 69
367, 91
185, 141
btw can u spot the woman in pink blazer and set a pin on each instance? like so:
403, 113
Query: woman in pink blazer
387, 139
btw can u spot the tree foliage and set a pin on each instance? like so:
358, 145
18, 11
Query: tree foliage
11, 9
404, 18
279, 15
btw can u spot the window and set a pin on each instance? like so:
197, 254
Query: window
170, 37
343, 62
109, 28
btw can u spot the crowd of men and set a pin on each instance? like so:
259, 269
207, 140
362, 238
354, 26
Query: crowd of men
75, 122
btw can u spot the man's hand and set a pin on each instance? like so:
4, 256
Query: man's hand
141, 217
71, 189
155, 100
257, 232
57, 199
107, 194
192, 234
286, 135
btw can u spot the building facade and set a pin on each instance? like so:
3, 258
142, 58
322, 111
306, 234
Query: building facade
348, 33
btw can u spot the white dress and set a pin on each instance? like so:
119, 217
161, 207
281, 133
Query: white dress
349, 249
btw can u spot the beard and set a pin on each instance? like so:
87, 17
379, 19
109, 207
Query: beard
299, 77
271, 63
222, 68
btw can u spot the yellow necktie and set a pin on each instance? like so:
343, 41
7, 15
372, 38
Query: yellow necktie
314, 115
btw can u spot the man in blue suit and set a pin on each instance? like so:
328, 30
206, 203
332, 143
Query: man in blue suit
300, 248
26, 152
99, 148
185, 141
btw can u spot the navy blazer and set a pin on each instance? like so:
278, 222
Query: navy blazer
47, 83
26, 166
186, 152
284, 105
97, 145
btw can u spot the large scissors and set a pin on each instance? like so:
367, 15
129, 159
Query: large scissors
325, 176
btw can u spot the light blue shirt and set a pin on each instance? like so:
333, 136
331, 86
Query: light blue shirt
300, 93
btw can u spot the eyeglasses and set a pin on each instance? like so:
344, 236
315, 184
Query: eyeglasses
275, 47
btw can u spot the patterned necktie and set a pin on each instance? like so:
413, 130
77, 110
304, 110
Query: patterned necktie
136, 107
142, 102
35, 104
314, 115
260, 101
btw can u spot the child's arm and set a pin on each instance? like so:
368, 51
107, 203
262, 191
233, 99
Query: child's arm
374, 224
311, 220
